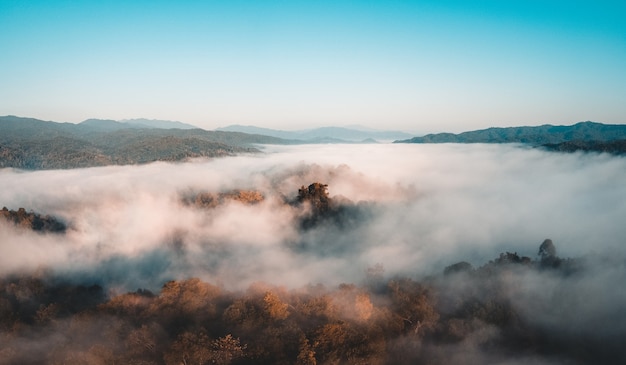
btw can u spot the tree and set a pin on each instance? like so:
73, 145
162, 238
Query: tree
317, 195
144, 343
306, 354
226, 349
274, 307
459, 267
547, 252
412, 302
547, 249
190, 348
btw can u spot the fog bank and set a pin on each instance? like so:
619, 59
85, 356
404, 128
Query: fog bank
422, 207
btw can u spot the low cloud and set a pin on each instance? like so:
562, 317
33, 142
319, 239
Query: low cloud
422, 207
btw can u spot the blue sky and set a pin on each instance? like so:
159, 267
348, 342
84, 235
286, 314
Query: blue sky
419, 66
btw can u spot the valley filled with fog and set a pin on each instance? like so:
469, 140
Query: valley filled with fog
397, 211
426, 207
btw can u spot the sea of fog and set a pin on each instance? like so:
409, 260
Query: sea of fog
427, 207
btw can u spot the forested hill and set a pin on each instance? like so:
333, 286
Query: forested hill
616, 147
540, 135
28, 143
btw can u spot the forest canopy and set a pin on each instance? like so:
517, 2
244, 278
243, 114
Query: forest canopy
396, 320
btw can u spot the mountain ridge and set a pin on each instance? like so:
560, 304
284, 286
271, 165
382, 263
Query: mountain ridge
29, 143
158, 123
535, 135
347, 134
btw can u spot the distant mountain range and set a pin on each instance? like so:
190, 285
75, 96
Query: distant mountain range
113, 125
157, 123
324, 134
541, 135
29, 143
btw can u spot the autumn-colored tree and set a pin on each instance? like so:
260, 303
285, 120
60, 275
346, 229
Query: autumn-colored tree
145, 343
227, 349
413, 305
190, 348
196, 348
315, 194
353, 303
209, 200
181, 303
306, 354
274, 307
129, 305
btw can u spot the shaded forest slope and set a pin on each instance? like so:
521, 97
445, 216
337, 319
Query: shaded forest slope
540, 135
28, 143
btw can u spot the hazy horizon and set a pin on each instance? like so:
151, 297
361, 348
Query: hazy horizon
413, 66
304, 128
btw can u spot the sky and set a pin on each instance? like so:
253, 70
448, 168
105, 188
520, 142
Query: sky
416, 66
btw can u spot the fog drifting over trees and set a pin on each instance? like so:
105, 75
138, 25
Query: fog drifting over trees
396, 211
423, 207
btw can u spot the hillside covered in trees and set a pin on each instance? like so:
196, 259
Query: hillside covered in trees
617, 147
588, 134
33, 144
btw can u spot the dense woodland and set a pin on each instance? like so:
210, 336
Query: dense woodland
539, 135
397, 320
460, 315
617, 147
33, 144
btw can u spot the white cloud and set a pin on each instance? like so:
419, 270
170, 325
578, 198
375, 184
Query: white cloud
429, 206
